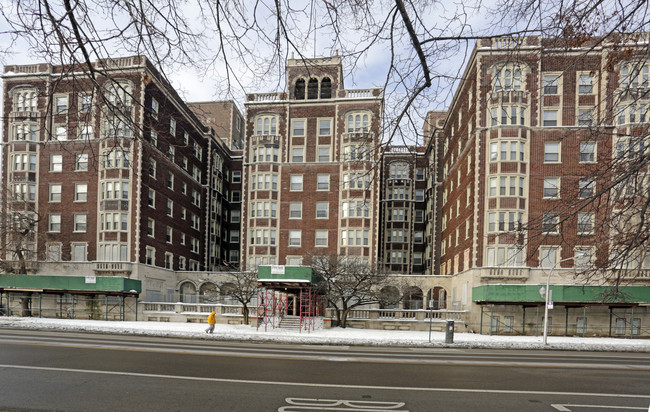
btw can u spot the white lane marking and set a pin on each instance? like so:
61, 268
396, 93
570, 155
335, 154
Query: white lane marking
563, 407
320, 385
306, 404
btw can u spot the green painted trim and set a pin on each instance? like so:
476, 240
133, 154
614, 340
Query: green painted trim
561, 294
76, 283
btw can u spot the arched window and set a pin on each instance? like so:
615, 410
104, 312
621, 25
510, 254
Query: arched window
266, 125
299, 91
25, 101
208, 293
187, 292
358, 123
312, 89
413, 298
507, 78
326, 88
389, 298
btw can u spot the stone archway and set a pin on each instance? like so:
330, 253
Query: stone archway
413, 298
208, 293
187, 292
437, 298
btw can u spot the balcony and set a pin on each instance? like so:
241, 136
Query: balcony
113, 269
505, 273
358, 137
265, 139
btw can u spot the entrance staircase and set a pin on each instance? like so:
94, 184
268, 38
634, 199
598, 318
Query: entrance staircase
290, 322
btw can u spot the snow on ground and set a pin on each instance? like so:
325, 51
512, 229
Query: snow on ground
334, 336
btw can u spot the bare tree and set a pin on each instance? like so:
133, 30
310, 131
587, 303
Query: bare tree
242, 286
347, 283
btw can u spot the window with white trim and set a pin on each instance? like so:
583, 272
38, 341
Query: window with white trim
585, 83
322, 210
55, 193
295, 237
552, 152
550, 223
298, 128
358, 122
295, 183
80, 223
585, 223
587, 152
551, 187
586, 187
295, 210
507, 78
548, 256
323, 182
503, 256
54, 223
80, 192
24, 100
321, 238
266, 125
507, 150
551, 83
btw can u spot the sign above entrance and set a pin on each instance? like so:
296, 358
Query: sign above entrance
277, 269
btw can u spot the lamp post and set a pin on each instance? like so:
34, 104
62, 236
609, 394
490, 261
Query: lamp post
548, 280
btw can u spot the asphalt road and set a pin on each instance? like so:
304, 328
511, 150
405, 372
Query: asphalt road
90, 372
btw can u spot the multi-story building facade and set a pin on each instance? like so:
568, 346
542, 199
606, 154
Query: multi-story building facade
118, 169
528, 139
310, 183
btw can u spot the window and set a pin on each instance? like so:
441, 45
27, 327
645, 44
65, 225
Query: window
586, 188
504, 256
196, 198
419, 174
56, 163
170, 207
320, 239
398, 171
503, 221
24, 191
60, 133
263, 236
419, 216
116, 158
551, 187
81, 162
85, 132
295, 237
168, 234
322, 210
266, 125
550, 223
296, 183
152, 168
151, 198
236, 176
115, 190
196, 221
60, 104
550, 118
418, 237
55, 192
172, 127
584, 257
419, 195
80, 223
295, 210
54, 223
585, 117
298, 128
323, 182
548, 256
551, 152
169, 260
506, 150
358, 123
323, 154
149, 255
234, 236
155, 107
78, 251
80, 192
507, 78
297, 155
25, 131
551, 84
585, 223
151, 227
324, 127
25, 100
170, 180
235, 196
585, 84
587, 152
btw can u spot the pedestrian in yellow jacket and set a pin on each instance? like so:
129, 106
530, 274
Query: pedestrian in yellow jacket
211, 321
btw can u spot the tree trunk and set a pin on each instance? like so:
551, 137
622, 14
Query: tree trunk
344, 317
245, 313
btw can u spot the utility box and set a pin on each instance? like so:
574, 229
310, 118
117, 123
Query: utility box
449, 332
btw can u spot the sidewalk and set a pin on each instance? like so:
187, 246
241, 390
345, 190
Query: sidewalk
334, 336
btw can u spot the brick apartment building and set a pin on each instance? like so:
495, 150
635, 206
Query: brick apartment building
118, 170
309, 183
476, 218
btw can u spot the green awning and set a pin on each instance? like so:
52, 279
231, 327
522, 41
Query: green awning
71, 284
284, 273
562, 294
